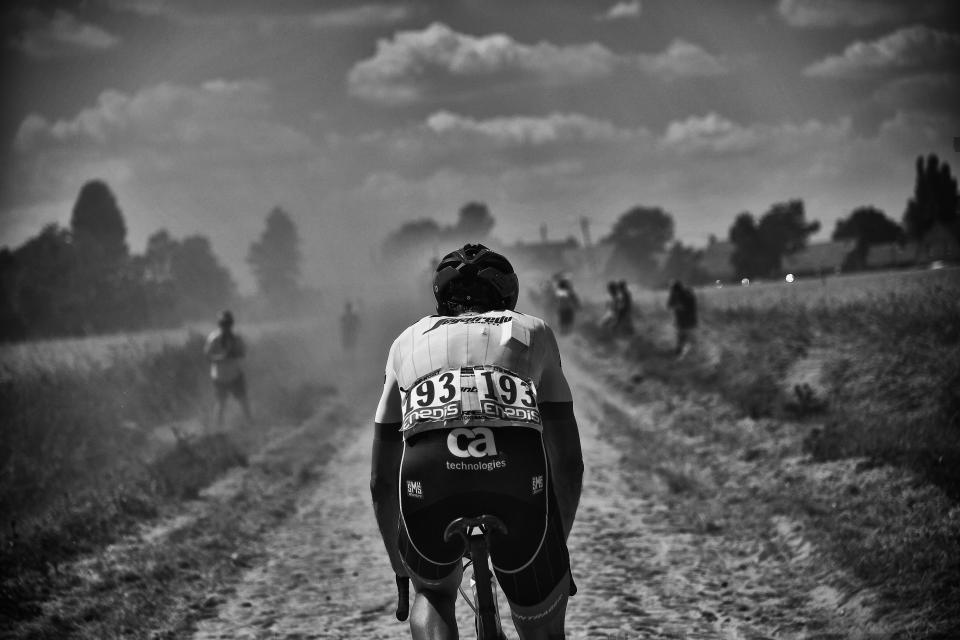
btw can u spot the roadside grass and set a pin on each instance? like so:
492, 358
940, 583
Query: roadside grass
85, 452
879, 428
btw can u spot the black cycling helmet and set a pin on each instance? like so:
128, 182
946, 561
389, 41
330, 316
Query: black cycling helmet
475, 276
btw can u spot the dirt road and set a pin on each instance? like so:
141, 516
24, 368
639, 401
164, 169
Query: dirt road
643, 571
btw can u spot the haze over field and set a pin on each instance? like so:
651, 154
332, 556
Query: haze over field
356, 117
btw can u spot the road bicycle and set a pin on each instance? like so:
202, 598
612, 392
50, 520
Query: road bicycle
483, 601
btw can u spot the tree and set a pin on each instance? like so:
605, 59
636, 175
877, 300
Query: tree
474, 223
202, 284
42, 296
759, 247
411, 237
867, 226
747, 256
275, 258
935, 199
683, 264
97, 224
637, 237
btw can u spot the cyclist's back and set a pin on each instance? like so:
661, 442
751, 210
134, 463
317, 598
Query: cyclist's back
475, 413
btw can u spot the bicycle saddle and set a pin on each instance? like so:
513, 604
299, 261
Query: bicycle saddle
461, 526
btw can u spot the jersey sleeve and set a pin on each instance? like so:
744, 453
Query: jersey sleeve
389, 410
553, 385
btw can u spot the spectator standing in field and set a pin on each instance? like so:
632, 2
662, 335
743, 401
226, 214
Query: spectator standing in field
349, 327
566, 302
625, 309
683, 303
225, 351
612, 311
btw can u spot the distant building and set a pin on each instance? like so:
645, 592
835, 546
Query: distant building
715, 260
939, 244
547, 256
819, 258
887, 255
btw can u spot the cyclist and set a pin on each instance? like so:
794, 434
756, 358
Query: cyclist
566, 303
476, 417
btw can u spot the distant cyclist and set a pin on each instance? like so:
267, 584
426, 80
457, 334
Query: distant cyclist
566, 302
225, 350
476, 417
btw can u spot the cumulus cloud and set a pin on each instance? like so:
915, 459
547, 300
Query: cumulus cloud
412, 65
683, 60
856, 13
402, 67
58, 35
527, 130
910, 47
718, 135
622, 10
232, 114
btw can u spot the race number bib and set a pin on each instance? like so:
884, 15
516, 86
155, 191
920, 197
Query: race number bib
502, 395
434, 398
485, 394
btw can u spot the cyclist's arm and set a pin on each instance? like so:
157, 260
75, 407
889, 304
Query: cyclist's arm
561, 436
385, 469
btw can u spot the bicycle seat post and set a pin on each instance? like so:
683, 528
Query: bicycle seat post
476, 546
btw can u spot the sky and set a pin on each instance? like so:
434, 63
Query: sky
355, 117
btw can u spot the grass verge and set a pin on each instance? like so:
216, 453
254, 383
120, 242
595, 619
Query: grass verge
865, 394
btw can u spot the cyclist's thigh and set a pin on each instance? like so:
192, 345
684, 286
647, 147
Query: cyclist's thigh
535, 585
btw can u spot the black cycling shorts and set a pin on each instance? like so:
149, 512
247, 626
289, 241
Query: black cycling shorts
470, 471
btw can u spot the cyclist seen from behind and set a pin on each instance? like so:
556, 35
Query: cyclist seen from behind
476, 417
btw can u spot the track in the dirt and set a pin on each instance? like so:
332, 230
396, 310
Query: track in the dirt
639, 576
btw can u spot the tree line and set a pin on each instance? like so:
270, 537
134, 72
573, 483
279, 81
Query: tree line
643, 247
83, 279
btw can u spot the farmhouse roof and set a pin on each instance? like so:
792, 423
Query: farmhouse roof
822, 256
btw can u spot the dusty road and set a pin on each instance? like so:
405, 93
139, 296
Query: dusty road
642, 570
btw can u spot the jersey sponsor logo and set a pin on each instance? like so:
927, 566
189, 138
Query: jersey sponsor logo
492, 409
492, 465
496, 320
433, 398
414, 489
472, 443
537, 485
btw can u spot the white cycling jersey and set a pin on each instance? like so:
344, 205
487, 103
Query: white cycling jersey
491, 368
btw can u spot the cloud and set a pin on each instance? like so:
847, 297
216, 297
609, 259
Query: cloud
230, 15
910, 47
857, 13
527, 130
717, 135
622, 11
415, 65
683, 60
405, 67
58, 35
370, 15
216, 114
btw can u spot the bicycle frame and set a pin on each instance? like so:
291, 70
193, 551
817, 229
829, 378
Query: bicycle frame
475, 546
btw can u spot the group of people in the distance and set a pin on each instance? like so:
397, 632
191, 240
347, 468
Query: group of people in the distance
225, 351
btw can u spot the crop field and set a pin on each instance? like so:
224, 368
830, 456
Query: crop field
809, 291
